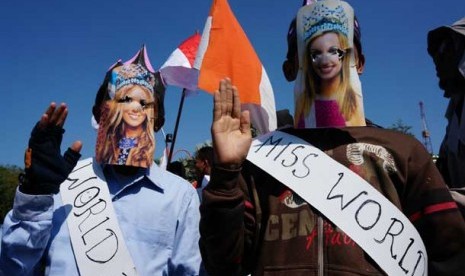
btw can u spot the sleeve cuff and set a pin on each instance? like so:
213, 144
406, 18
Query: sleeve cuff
225, 178
32, 207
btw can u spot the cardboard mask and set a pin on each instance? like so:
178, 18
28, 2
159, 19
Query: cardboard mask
344, 107
128, 109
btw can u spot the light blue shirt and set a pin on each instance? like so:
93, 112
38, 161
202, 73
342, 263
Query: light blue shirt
158, 213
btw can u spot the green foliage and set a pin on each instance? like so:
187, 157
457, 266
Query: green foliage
189, 162
189, 166
401, 127
8, 184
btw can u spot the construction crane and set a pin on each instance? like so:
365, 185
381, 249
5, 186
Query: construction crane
425, 133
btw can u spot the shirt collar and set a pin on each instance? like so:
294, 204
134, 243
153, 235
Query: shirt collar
154, 175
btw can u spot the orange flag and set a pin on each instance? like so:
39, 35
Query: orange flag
225, 51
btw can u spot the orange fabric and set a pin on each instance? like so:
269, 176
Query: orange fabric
230, 54
28, 158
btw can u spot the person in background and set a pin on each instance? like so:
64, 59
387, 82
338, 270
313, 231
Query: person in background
177, 168
203, 163
446, 46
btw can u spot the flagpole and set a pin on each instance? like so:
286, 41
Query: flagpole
170, 155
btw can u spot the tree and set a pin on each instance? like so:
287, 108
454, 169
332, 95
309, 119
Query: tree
401, 127
8, 184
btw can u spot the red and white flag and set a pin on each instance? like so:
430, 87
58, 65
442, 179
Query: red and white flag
178, 69
225, 51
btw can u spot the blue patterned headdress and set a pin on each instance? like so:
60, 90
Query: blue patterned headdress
132, 73
323, 19
324, 16
138, 70
320, 17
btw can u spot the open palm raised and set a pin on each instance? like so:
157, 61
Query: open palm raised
230, 128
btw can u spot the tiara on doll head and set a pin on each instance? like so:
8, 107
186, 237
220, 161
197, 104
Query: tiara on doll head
132, 74
322, 17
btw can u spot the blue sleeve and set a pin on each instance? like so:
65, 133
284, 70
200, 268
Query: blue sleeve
186, 258
25, 234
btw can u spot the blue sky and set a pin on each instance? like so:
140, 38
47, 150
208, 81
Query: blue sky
59, 50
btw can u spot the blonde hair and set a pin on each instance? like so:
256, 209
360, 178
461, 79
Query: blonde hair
345, 94
114, 129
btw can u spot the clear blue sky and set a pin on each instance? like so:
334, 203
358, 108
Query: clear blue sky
59, 51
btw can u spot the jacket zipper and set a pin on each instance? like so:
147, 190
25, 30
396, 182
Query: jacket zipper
320, 246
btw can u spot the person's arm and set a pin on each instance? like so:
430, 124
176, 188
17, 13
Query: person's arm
435, 215
225, 221
26, 232
26, 229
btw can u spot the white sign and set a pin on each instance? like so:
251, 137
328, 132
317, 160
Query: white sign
345, 198
97, 241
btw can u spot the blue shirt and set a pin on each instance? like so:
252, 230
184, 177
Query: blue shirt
158, 213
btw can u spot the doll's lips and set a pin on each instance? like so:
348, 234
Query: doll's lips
326, 69
134, 116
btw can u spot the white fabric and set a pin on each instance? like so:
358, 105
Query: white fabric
96, 238
177, 71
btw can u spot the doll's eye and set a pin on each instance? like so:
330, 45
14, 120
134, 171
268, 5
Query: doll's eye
337, 52
315, 55
125, 99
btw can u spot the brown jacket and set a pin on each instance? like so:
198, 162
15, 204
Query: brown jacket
251, 223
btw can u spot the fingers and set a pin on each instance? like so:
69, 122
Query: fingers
226, 100
229, 97
245, 122
76, 146
48, 113
72, 155
216, 106
43, 121
62, 116
223, 96
50, 109
59, 116
236, 103
54, 116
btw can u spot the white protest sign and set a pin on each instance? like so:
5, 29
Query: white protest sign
97, 241
345, 198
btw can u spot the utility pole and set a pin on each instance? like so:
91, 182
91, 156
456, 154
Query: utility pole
425, 133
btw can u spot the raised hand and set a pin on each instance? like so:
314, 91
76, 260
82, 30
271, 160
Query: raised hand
45, 167
230, 128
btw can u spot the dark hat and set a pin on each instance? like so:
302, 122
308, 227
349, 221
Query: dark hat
436, 36
137, 70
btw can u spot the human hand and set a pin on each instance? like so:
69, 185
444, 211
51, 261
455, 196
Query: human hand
45, 167
230, 129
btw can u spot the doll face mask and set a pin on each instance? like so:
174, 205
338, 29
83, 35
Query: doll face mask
327, 90
128, 115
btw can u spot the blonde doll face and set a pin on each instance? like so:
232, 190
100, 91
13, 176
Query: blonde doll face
326, 56
135, 105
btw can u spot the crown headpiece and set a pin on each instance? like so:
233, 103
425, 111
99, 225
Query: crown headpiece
320, 17
324, 18
138, 70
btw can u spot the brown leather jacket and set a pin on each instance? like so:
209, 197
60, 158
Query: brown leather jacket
251, 223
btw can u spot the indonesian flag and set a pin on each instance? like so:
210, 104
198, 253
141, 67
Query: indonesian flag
178, 69
225, 51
